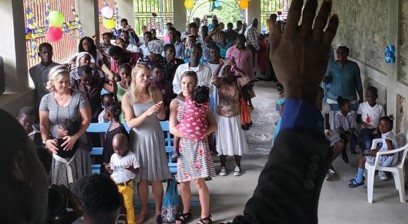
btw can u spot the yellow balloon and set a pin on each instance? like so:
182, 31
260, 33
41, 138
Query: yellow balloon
189, 4
243, 4
108, 23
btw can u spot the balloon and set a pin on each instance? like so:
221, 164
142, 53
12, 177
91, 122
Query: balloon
54, 34
108, 23
107, 12
56, 18
189, 4
243, 4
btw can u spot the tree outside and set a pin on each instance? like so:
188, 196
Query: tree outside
225, 10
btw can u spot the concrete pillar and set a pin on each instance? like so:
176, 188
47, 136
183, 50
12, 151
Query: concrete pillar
392, 39
88, 12
127, 11
13, 47
254, 10
179, 15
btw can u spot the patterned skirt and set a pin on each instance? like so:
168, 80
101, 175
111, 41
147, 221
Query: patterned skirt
80, 166
195, 161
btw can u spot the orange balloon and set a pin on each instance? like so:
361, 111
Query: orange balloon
243, 4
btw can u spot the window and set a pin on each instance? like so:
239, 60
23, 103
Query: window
273, 6
154, 14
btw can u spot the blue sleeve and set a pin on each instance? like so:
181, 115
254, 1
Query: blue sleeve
302, 115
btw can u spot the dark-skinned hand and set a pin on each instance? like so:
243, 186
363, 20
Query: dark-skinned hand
300, 54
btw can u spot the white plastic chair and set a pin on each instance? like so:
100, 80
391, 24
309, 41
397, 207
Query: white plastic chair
396, 170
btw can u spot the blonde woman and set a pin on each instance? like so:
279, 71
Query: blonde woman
60, 105
143, 108
195, 163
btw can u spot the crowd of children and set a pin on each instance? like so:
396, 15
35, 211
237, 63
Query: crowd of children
359, 128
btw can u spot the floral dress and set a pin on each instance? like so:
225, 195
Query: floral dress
195, 161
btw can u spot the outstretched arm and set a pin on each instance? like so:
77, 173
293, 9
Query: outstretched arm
289, 185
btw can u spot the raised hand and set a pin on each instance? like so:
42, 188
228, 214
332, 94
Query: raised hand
300, 55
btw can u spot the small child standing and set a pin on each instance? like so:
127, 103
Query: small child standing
123, 167
368, 116
389, 142
113, 113
279, 107
345, 123
194, 123
107, 99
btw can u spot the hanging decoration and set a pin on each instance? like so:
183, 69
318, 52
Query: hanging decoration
189, 4
389, 54
107, 12
47, 13
32, 25
279, 12
154, 14
116, 14
53, 30
54, 34
108, 23
56, 18
70, 26
215, 5
243, 4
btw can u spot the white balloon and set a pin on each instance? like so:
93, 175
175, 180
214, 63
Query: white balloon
107, 12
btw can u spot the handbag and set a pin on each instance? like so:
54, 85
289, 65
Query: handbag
171, 202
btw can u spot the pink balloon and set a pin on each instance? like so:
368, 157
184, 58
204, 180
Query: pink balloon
54, 34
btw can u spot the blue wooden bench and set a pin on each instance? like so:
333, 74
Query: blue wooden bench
103, 127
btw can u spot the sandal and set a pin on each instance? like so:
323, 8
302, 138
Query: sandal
355, 184
206, 220
183, 218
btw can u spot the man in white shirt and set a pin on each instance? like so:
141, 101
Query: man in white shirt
203, 72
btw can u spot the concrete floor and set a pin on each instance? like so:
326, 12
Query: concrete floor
338, 203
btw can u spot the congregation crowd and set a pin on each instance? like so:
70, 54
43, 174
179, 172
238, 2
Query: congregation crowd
201, 82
